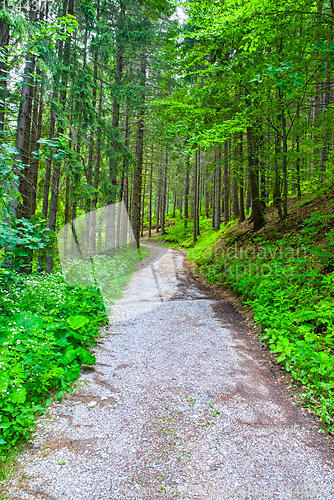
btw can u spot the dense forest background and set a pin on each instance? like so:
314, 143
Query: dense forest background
223, 112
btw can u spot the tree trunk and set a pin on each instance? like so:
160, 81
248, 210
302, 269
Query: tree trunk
235, 190
91, 138
159, 194
113, 160
22, 143
248, 195
151, 193
4, 42
299, 191
257, 215
186, 193
61, 129
277, 187
217, 192
164, 195
137, 177
284, 166
125, 165
207, 199
48, 167
226, 184
198, 210
235, 202
98, 149
143, 205
36, 131
195, 203
242, 181
326, 139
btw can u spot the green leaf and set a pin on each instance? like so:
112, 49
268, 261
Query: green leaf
5, 425
21, 420
18, 396
68, 355
76, 322
85, 356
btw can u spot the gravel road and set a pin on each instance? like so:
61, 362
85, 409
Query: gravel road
182, 403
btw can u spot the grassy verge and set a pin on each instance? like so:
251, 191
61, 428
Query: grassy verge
46, 329
285, 274
181, 235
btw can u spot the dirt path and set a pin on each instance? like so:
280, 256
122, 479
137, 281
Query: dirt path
182, 403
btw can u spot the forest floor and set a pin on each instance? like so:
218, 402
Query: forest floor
183, 402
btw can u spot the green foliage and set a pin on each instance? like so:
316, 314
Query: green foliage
208, 239
21, 237
47, 32
181, 235
46, 326
9, 169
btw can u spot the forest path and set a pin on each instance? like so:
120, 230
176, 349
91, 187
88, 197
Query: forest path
182, 403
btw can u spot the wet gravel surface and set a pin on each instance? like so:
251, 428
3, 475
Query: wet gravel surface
182, 403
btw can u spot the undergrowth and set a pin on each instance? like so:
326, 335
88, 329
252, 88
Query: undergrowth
181, 235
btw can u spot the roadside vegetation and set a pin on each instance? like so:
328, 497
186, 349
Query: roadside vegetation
46, 327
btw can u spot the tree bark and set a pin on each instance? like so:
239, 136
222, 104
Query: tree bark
143, 204
125, 164
299, 192
207, 198
186, 193
98, 149
217, 192
151, 193
22, 142
226, 185
195, 207
257, 215
242, 181
113, 161
284, 165
60, 131
235, 202
48, 166
326, 138
159, 195
137, 177
174, 206
4, 42
36, 131
198, 209
164, 195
